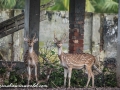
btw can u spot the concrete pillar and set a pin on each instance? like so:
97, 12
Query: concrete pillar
96, 34
32, 19
118, 50
76, 21
88, 32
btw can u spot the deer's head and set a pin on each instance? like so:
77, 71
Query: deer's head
9, 67
31, 41
60, 42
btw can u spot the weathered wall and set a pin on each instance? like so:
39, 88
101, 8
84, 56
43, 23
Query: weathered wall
110, 35
88, 32
58, 22
97, 26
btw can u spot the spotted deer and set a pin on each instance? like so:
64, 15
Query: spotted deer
74, 61
31, 58
9, 68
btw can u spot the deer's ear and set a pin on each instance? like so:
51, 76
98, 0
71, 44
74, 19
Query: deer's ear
54, 40
25, 39
35, 40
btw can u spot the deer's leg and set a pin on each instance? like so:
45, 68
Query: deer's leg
89, 75
29, 74
65, 76
36, 73
92, 77
69, 76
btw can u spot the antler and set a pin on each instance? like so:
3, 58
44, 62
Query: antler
34, 36
27, 36
55, 36
63, 38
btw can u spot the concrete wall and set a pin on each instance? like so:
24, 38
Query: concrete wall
88, 32
59, 22
94, 25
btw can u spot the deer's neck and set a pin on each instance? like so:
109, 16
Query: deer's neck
60, 51
30, 49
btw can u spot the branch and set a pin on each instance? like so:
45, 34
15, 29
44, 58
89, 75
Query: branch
49, 70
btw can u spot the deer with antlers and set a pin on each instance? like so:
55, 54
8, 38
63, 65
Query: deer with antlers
31, 58
74, 61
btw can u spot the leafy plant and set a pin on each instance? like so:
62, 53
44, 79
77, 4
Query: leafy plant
78, 79
49, 60
102, 6
60, 5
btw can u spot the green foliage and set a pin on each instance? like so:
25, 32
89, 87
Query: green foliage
60, 5
47, 52
106, 79
2, 70
110, 80
49, 59
4, 4
14, 77
78, 79
89, 7
98, 6
110, 6
20, 4
16, 4
44, 2
102, 6
56, 78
